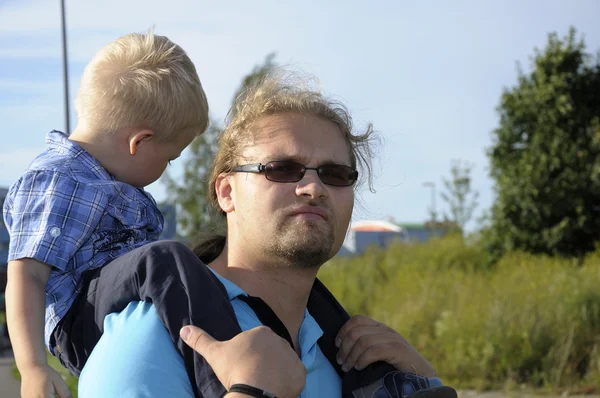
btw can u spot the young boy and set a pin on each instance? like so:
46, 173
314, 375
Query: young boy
81, 203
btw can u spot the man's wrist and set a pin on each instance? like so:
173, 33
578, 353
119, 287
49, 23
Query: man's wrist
249, 391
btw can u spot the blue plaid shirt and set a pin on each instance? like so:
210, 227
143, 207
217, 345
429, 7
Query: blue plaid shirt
68, 212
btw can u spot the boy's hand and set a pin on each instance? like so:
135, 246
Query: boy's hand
41, 381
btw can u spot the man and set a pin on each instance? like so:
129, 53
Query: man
284, 177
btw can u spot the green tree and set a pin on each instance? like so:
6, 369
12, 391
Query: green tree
459, 195
545, 158
257, 73
188, 192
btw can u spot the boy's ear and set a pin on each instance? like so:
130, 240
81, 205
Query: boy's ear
139, 138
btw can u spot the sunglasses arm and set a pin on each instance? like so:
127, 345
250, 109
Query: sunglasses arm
250, 168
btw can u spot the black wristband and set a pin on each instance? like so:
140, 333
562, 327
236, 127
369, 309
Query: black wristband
249, 390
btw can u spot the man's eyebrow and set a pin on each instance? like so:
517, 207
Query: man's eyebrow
293, 158
301, 159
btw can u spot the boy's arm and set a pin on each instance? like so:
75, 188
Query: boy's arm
25, 307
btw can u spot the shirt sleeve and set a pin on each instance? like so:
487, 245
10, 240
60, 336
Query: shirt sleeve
49, 216
135, 358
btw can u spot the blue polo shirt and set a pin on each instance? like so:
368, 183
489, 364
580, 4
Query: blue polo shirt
137, 358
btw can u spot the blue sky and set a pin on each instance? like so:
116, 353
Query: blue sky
428, 74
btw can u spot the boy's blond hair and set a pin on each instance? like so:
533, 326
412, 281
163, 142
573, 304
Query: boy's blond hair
143, 81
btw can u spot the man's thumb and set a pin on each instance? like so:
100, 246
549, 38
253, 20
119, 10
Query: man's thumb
197, 338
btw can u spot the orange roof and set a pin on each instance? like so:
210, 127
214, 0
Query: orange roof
375, 226
372, 228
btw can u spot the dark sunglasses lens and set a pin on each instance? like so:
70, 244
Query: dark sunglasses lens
337, 175
284, 171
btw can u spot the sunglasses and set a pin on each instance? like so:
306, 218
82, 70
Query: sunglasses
336, 175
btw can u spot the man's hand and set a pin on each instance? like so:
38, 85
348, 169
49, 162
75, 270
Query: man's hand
363, 341
43, 382
257, 357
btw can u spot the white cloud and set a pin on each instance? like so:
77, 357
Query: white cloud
43, 16
15, 115
30, 53
22, 17
30, 85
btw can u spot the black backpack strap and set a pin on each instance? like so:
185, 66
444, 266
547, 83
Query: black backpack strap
267, 316
331, 316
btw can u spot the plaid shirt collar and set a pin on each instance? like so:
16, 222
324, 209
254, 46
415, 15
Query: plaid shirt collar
59, 142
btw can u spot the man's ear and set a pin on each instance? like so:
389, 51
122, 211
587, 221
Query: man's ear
138, 138
224, 190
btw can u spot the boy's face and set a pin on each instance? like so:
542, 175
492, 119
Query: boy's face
152, 157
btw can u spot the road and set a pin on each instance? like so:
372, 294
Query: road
9, 387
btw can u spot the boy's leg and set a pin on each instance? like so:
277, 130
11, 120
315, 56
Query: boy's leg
169, 275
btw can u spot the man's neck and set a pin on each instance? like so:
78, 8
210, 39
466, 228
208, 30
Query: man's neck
283, 287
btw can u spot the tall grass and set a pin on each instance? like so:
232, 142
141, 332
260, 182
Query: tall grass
531, 320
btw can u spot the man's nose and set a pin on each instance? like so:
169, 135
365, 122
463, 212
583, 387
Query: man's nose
311, 185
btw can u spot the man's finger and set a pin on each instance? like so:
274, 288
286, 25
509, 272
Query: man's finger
198, 339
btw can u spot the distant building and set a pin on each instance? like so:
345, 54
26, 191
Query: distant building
381, 233
363, 234
420, 232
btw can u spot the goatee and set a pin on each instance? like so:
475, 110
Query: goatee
304, 246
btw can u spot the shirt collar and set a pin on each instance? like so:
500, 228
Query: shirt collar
59, 142
310, 331
233, 290
309, 334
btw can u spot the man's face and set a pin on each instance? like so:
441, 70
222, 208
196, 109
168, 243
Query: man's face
300, 223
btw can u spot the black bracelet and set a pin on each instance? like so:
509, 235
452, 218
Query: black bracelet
249, 390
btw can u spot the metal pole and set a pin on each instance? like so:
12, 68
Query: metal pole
65, 67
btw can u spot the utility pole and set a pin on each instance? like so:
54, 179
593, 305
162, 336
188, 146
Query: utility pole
433, 210
65, 67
